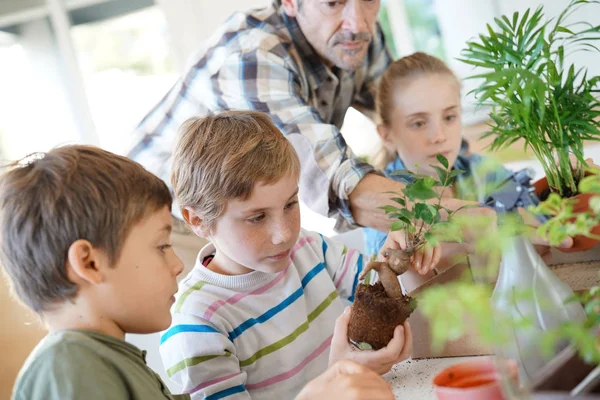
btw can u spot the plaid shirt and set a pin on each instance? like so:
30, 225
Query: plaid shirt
261, 61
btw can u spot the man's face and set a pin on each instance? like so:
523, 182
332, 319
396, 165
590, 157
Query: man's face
339, 30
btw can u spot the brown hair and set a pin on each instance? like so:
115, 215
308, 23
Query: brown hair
50, 200
222, 157
410, 67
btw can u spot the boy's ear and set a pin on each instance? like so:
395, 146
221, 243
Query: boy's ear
290, 7
84, 263
195, 222
384, 133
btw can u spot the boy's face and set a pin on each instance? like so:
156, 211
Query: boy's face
426, 120
258, 233
138, 290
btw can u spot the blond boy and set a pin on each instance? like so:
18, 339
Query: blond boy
255, 317
85, 241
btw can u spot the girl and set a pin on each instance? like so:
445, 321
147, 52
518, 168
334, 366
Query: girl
418, 104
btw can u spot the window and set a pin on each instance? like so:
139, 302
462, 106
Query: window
127, 68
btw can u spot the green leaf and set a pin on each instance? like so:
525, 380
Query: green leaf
389, 209
399, 225
423, 212
399, 200
564, 30
443, 160
421, 189
595, 204
441, 173
405, 212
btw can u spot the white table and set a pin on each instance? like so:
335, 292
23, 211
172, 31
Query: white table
412, 379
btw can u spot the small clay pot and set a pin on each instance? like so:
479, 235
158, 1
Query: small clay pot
375, 316
580, 243
472, 380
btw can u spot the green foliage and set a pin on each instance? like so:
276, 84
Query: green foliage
534, 94
565, 221
583, 336
462, 307
416, 214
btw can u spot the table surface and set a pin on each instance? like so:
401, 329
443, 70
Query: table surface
412, 379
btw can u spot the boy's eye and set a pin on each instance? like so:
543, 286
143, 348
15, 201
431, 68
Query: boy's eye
450, 117
164, 247
291, 204
256, 218
418, 124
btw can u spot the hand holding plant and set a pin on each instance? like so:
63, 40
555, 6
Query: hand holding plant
380, 361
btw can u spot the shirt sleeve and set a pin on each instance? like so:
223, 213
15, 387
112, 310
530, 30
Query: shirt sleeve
202, 360
343, 264
61, 374
263, 81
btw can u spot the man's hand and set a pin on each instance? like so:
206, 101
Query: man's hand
380, 361
347, 380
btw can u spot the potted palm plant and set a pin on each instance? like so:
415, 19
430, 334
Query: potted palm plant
535, 95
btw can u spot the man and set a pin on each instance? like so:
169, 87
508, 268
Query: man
303, 62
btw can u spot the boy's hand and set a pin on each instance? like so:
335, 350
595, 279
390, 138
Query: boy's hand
347, 380
424, 259
380, 361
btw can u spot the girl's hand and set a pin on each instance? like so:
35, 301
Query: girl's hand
381, 361
424, 259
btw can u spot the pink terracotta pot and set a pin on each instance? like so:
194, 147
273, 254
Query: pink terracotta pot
472, 380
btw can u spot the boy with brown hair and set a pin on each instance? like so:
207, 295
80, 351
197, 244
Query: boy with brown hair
85, 241
255, 317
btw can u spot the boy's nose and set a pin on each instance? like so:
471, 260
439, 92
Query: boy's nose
281, 233
177, 265
354, 17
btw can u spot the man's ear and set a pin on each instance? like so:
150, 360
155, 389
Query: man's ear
195, 222
85, 263
290, 7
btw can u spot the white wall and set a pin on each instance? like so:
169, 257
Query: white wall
460, 21
192, 21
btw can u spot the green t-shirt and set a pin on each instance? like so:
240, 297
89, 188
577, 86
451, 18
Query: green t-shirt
76, 364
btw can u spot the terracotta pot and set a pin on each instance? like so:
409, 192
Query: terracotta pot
472, 380
580, 243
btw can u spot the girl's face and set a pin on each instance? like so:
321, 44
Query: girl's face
425, 121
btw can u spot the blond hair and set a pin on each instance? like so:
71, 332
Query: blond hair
400, 71
222, 157
51, 200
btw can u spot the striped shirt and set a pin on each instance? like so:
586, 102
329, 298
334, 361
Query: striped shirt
260, 60
259, 335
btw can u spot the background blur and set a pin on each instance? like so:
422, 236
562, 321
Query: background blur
86, 71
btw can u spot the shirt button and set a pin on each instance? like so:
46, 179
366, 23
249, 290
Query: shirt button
323, 103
